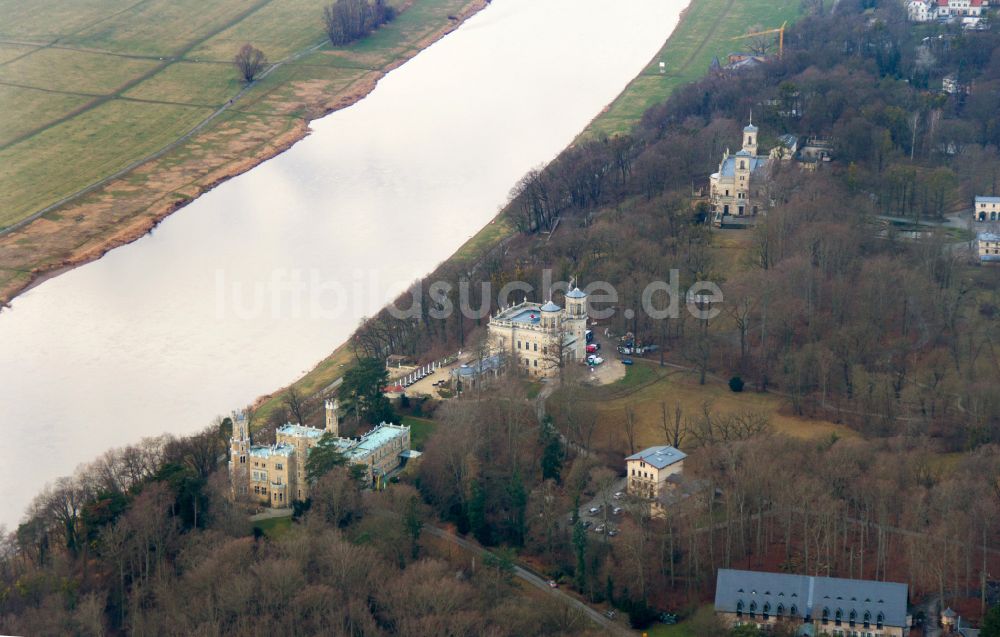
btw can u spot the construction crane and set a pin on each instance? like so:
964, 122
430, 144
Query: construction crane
781, 36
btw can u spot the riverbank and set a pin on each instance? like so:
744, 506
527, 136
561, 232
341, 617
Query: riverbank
267, 119
706, 30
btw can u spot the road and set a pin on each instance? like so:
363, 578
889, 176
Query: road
612, 627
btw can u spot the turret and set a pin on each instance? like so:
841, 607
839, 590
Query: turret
575, 320
333, 417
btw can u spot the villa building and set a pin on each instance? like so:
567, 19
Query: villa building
536, 338
986, 209
928, 10
275, 475
736, 189
818, 605
648, 471
988, 247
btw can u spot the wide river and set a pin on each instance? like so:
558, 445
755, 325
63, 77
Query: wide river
247, 287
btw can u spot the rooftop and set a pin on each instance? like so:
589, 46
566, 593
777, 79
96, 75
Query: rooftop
811, 595
729, 165
551, 307
266, 451
576, 293
985, 199
377, 437
659, 457
300, 431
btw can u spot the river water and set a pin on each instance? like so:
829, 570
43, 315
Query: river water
251, 284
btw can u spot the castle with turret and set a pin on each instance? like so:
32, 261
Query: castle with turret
736, 190
538, 337
275, 475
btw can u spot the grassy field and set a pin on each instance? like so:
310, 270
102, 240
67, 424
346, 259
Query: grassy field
646, 387
74, 76
92, 87
274, 527
705, 31
420, 430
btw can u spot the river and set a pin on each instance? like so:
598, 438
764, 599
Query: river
254, 282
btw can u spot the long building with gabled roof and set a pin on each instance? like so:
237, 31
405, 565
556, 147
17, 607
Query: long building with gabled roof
816, 605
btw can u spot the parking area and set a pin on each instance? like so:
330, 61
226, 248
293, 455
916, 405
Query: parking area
603, 513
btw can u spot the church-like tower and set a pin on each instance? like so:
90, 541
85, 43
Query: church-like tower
239, 450
750, 138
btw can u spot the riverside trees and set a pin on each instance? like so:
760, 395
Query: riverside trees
348, 20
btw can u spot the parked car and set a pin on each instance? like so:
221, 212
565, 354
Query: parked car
612, 532
626, 361
587, 524
592, 348
553, 584
594, 510
610, 613
589, 335
597, 360
616, 511
668, 618
618, 495
599, 528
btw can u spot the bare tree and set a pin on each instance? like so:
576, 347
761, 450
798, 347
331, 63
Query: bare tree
250, 61
630, 428
296, 405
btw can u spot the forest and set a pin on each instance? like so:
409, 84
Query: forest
848, 319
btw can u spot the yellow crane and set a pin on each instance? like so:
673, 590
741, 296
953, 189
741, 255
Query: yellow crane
781, 36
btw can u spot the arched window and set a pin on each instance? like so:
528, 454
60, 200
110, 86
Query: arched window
880, 620
853, 617
739, 608
753, 609
781, 610
767, 610
826, 615
868, 619
838, 618
794, 611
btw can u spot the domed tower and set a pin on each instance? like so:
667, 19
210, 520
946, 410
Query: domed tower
239, 450
575, 321
550, 317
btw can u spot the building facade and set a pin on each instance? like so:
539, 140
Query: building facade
647, 471
818, 605
988, 247
928, 10
537, 337
737, 188
986, 209
275, 475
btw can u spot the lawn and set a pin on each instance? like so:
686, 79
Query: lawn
25, 109
705, 31
420, 430
274, 528
162, 27
646, 387
74, 71
190, 83
46, 166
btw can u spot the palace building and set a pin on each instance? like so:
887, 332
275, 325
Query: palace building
736, 189
813, 605
536, 337
275, 475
